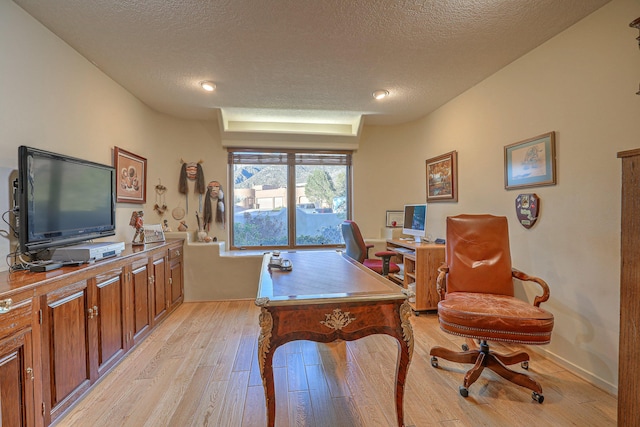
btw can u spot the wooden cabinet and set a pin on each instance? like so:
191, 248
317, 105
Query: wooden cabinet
67, 363
108, 310
68, 327
17, 369
420, 262
141, 297
628, 368
159, 284
176, 273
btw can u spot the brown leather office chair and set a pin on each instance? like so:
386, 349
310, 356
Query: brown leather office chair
359, 250
477, 301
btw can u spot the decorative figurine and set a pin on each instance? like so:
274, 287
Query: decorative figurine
165, 227
138, 223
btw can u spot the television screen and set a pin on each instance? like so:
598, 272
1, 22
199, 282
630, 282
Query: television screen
63, 200
415, 221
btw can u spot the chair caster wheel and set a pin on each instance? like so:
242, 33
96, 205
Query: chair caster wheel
416, 313
464, 392
525, 364
465, 347
537, 397
434, 361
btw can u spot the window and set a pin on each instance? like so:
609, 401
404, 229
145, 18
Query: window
289, 199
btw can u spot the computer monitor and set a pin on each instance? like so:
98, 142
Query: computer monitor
415, 221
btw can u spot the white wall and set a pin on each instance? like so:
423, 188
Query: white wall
580, 84
53, 98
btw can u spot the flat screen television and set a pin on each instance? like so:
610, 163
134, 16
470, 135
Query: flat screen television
415, 221
62, 200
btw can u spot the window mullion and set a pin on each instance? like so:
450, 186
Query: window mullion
291, 198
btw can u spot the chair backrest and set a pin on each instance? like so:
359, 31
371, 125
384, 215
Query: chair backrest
356, 248
478, 255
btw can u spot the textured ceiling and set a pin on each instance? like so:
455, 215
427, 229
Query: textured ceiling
304, 55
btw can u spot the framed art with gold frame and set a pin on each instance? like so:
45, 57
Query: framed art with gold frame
442, 178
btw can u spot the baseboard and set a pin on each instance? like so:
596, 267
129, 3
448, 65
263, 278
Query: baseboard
578, 371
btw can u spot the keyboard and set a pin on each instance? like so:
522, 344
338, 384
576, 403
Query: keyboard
403, 250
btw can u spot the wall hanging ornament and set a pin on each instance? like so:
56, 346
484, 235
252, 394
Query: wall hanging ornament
177, 213
161, 205
191, 171
137, 223
215, 194
527, 208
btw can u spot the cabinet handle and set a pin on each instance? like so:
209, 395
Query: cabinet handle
177, 253
30, 373
95, 310
90, 313
170, 281
5, 305
152, 279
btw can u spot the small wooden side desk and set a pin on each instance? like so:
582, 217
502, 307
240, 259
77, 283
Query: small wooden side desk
421, 262
328, 296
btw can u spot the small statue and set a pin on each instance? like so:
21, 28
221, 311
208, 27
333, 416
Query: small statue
183, 226
138, 223
166, 227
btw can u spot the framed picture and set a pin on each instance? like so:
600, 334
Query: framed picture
395, 219
530, 163
131, 177
442, 178
153, 233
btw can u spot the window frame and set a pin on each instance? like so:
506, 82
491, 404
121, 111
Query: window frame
294, 157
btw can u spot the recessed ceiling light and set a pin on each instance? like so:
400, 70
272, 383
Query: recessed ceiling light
379, 94
208, 86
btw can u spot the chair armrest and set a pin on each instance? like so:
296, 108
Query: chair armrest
441, 281
383, 254
526, 278
368, 246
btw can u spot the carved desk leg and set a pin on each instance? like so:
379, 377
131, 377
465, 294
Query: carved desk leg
405, 353
265, 362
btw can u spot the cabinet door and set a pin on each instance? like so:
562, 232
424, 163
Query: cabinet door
65, 341
141, 292
159, 282
108, 313
16, 369
176, 276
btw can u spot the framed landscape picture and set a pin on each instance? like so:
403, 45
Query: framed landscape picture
442, 178
131, 176
530, 163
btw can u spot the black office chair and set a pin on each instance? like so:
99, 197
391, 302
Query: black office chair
359, 250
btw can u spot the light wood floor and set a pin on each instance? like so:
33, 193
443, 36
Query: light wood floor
199, 368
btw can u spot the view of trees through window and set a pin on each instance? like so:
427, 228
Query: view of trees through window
266, 186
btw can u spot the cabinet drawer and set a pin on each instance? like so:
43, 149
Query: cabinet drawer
18, 317
175, 253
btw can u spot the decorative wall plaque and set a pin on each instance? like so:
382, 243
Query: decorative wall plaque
527, 208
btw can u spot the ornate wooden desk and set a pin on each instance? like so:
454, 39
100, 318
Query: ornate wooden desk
326, 297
